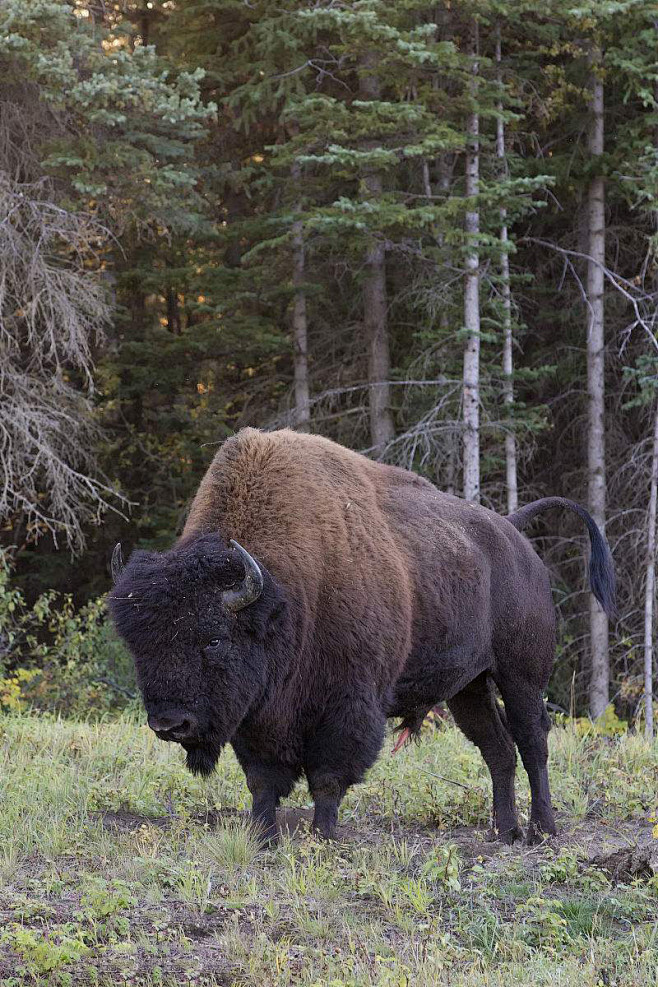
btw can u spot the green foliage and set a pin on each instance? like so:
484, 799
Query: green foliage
103, 898
58, 658
645, 377
42, 954
564, 867
444, 867
129, 119
606, 725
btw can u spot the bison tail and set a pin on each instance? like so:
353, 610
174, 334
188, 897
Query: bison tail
601, 567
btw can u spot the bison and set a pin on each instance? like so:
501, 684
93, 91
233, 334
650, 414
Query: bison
314, 593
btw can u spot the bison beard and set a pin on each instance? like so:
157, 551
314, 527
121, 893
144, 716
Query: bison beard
201, 759
364, 593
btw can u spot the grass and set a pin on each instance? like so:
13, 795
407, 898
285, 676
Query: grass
118, 867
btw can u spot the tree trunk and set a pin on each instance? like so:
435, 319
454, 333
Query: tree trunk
173, 311
471, 378
600, 671
427, 185
375, 303
508, 361
445, 166
299, 322
145, 22
650, 585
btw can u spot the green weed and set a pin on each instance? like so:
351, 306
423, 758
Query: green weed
44, 952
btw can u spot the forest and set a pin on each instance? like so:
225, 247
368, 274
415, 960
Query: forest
427, 230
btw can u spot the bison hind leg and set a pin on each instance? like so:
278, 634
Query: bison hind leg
479, 717
529, 724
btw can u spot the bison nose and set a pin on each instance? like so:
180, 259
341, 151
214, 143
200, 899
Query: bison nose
174, 726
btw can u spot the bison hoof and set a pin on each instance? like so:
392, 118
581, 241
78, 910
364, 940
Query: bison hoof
324, 833
268, 838
511, 835
537, 834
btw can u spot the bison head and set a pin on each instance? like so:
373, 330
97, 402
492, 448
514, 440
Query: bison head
195, 620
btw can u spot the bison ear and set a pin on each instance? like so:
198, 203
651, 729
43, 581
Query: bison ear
117, 564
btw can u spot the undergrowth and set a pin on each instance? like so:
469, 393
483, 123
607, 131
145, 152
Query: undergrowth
117, 866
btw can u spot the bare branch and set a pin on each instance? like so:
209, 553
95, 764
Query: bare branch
52, 312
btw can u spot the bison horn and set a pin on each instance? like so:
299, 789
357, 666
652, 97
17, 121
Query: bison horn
117, 563
251, 586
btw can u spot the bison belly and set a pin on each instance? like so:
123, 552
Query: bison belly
433, 676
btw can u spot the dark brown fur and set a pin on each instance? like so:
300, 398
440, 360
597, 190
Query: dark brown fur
383, 596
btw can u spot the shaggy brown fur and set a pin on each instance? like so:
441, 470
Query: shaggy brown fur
382, 597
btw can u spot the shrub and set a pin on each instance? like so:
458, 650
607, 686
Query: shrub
56, 658
607, 725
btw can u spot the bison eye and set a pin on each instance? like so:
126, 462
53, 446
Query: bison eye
217, 646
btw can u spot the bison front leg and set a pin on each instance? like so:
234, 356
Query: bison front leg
345, 744
268, 784
327, 792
